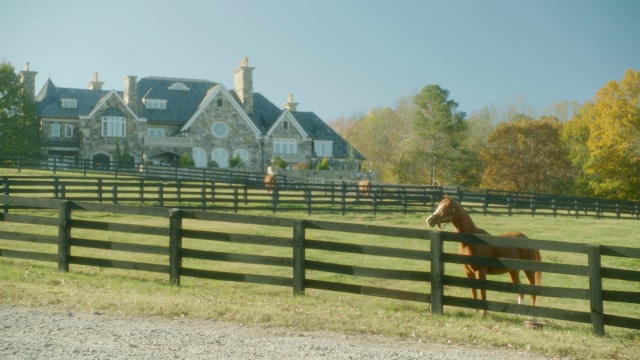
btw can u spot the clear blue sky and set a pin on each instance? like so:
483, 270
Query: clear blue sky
338, 57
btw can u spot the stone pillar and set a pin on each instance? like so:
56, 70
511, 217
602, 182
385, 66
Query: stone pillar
243, 85
28, 80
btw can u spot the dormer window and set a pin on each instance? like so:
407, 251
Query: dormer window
178, 86
69, 103
155, 104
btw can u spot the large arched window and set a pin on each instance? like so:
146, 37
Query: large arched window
244, 155
221, 157
199, 156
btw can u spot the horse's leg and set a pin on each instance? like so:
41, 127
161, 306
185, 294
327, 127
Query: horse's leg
482, 275
531, 279
471, 275
515, 278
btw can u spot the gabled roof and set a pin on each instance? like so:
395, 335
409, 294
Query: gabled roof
181, 104
212, 94
286, 115
317, 129
49, 105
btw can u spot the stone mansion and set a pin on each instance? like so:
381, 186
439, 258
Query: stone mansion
159, 119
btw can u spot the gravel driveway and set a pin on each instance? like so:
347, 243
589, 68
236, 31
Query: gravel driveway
42, 333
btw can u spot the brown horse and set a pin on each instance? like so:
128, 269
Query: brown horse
364, 187
450, 211
270, 182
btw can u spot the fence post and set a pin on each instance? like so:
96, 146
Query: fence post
595, 289
114, 193
298, 257
175, 246
343, 204
437, 272
307, 199
5, 191
99, 190
141, 191
160, 195
203, 197
235, 200
55, 186
64, 235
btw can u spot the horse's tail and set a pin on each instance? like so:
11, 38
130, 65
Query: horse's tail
538, 274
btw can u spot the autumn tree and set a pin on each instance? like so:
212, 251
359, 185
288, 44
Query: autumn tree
20, 132
440, 127
575, 135
614, 139
526, 155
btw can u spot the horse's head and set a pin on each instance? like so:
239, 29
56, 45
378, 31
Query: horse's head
443, 214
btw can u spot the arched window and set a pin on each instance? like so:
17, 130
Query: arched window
221, 157
244, 155
199, 156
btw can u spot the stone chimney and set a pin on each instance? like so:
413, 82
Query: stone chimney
95, 84
243, 85
290, 105
28, 80
131, 92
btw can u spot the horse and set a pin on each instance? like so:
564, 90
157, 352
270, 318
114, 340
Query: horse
270, 182
364, 187
449, 211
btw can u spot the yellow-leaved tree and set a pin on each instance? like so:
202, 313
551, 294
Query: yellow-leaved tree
614, 139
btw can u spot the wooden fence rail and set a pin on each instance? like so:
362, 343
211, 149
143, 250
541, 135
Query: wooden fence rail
310, 198
179, 253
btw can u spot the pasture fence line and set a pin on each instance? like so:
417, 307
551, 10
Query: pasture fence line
239, 194
177, 254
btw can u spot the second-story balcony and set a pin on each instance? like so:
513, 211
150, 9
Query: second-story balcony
65, 142
168, 142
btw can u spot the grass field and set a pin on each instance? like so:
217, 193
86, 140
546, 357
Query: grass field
112, 291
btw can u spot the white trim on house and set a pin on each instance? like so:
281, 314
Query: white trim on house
103, 102
286, 116
211, 95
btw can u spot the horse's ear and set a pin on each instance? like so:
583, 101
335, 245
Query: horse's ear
446, 197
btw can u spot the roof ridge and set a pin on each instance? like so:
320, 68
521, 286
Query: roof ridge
177, 79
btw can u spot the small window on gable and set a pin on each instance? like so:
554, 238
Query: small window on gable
69, 103
285, 125
178, 86
155, 104
219, 102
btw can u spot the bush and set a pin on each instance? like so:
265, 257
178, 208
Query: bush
324, 165
186, 161
279, 163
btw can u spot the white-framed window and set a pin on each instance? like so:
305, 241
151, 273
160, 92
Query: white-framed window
199, 156
323, 148
156, 132
69, 103
244, 155
114, 126
221, 157
155, 104
55, 130
219, 129
285, 146
178, 86
68, 130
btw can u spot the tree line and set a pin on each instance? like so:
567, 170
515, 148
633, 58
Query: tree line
590, 149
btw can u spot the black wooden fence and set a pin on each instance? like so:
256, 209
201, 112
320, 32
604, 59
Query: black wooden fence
422, 283
242, 193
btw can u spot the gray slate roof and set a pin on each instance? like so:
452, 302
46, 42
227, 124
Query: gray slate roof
181, 105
